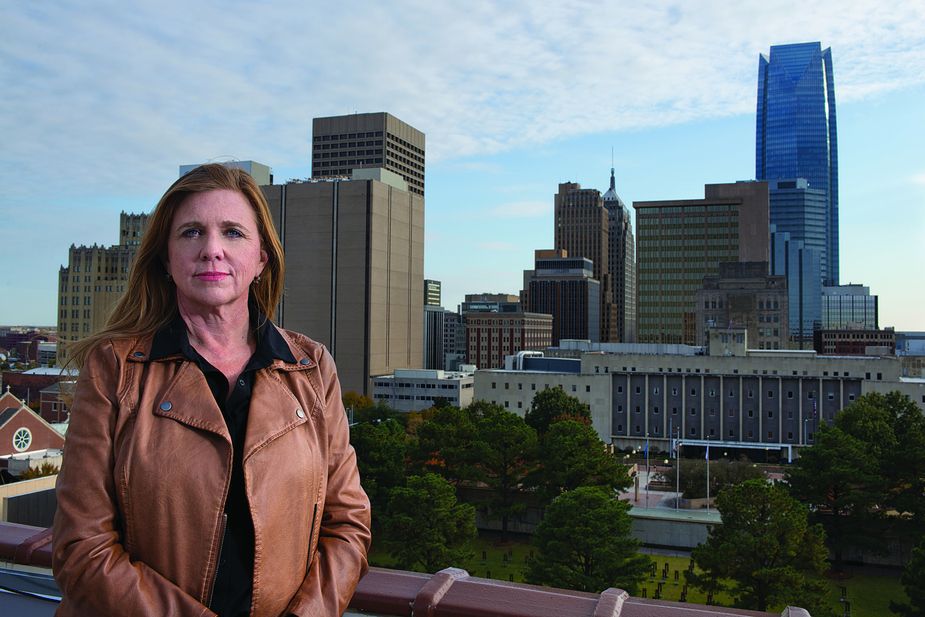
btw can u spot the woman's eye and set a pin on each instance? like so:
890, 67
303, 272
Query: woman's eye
192, 232
234, 233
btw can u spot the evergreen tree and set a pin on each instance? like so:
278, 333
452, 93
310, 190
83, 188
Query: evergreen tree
551, 404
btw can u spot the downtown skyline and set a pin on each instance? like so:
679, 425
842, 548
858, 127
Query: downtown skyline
109, 104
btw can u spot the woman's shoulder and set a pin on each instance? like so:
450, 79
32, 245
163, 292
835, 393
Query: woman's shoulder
305, 347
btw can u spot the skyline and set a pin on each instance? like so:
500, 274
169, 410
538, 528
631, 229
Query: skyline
513, 101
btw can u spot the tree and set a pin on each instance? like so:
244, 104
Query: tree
766, 547
446, 444
723, 473
571, 455
356, 401
551, 404
913, 580
380, 449
45, 469
507, 450
584, 543
425, 527
837, 478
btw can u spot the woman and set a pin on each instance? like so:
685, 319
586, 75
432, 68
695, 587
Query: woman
207, 468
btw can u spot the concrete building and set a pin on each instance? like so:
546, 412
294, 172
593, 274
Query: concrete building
341, 144
354, 270
415, 390
564, 287
93, 280
743, 295
490, 303
800, 266
432, 293
910, 348
621, 257
682, 241
454, 341
758, 400
490, 336
258, 171
582, 228
849, 307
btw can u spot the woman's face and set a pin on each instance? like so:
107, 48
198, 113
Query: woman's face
214, 251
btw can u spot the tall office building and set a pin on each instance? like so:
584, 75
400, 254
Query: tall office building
796, 134
434, 336
800, 266
800, 211
354, 270
582, 228
849, 307
564, 287
92, 282
682, 241
621, 257
341, 144
432, 293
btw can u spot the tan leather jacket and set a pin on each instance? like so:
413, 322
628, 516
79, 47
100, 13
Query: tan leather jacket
147, 464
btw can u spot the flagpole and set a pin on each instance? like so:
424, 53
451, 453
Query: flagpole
708, 473
677, 460
647, 470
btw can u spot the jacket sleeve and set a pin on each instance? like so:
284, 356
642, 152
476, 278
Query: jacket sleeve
95, 574
344, 538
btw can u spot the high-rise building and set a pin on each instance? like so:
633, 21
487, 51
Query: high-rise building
849, 307
354, 270
744, 296
800, 266
341, 144
682, 241
796, 134
582, 228
432, 293
564, 287
434, 326
454, 341
92, 282
621, 257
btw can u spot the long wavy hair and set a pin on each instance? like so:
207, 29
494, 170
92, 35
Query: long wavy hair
150, 301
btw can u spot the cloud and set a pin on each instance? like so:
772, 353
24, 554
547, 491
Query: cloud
521, 209
918, 178
119, 96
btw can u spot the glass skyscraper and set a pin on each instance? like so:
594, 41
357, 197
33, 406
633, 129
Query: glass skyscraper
795, 135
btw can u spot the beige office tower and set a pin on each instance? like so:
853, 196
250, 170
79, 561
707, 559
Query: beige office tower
341, 144
679, 242
582, 228
92, 282
354, 270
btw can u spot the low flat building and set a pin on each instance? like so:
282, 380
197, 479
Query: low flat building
847, 342
769, 400
418, 389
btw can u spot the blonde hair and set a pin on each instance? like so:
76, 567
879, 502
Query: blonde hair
149, 301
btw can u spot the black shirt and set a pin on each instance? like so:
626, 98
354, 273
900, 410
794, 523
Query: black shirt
231, 596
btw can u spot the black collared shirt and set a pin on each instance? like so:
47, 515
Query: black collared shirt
234, 578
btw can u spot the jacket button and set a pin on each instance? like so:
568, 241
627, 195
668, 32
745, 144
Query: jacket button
166, 406
304, 361
299, 412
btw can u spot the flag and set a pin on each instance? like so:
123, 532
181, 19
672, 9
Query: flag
645, 448
707, 455
814, 408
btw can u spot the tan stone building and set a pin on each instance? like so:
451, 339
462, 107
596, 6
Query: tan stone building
354, 270
92, 282
679, 242
341, 144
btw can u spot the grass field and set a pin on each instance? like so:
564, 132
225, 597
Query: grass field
869, 590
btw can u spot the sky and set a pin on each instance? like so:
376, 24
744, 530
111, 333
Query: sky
102, 102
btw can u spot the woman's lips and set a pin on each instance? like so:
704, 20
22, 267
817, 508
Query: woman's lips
211, 276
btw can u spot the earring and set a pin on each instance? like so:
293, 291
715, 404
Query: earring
168, 277
256, 279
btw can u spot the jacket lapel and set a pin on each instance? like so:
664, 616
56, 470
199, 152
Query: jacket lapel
189, 400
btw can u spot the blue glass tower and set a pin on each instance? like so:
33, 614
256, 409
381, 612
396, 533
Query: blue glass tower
795, 135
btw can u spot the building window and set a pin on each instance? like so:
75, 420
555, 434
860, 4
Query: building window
770, 393
751, 413
587, 388
574, 388
533, 386
693, 411
22, 439
520, 404
506, 385
493, 385
506, 404
638, 390
520, 386
638, 409
770, 414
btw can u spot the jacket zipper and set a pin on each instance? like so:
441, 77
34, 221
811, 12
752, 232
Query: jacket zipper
218, 562
311, 533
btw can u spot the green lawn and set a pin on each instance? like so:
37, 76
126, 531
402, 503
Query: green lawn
869, 589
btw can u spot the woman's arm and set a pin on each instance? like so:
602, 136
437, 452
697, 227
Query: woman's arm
93, 570
343, 542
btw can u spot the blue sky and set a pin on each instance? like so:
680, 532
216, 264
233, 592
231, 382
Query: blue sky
101, 105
